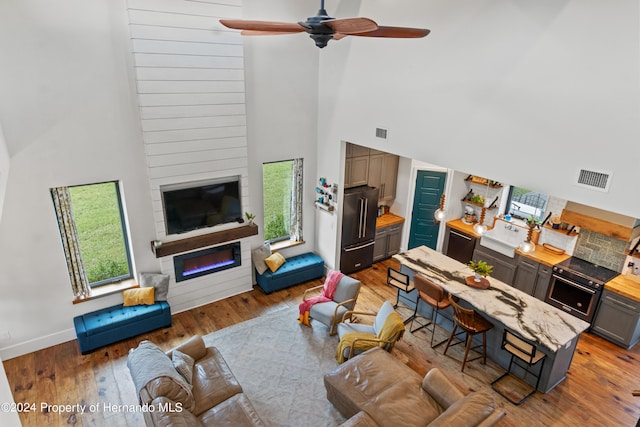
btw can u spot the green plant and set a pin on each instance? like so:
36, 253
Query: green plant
480, 267
533, 221
477, 198
249, 216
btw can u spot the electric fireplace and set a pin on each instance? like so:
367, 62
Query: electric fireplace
207, 261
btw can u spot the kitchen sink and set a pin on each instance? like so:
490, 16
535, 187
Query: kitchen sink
504, 238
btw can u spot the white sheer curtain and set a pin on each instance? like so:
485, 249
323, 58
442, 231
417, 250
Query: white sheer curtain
69, 235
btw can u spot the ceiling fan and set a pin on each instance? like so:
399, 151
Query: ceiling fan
322, 28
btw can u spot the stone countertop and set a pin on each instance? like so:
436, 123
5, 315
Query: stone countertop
388, 219
626, 285
533, 319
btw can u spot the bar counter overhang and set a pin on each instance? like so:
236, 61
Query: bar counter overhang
555, 332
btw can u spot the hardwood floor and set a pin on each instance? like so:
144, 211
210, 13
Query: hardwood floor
597, 391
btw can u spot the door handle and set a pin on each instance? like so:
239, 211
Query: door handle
460, 235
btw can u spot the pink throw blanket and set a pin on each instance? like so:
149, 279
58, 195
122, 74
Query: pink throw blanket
328, 290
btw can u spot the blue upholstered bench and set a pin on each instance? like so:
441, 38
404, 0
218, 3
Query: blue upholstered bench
297, 269
113, 324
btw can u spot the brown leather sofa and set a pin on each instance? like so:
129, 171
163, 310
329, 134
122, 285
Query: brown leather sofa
166, 398
376, 389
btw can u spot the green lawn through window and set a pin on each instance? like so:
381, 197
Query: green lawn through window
96, 211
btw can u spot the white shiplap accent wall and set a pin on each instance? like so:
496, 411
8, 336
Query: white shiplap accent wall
189, 73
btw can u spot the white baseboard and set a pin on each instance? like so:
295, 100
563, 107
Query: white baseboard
37, 344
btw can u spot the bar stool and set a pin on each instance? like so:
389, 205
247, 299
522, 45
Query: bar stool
471, 324
523, 351
401, 282
436, 297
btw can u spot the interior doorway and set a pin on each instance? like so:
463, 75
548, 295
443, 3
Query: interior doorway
424, 229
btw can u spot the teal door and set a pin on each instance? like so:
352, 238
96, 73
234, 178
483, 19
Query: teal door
424, 229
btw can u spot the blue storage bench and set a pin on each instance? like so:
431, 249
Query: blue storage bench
113, 324
297, 269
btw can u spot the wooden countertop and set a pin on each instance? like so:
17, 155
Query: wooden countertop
540, 255
626, 285
388, 219
458, 224
543, 256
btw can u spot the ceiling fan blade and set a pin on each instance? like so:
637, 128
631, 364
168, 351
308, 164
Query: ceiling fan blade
351, 25
262, 26
395, 32
266, 33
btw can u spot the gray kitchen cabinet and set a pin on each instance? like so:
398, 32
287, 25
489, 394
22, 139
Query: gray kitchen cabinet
356, 171
383, 174
543, 279
459, 245
526, 275
387, 242
532, 277
617, 319
504, 268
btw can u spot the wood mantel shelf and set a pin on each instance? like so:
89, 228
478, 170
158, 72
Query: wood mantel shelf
210, 239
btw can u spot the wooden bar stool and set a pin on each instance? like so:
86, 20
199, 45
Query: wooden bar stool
471, 324
523, 351
401, 282
436, 297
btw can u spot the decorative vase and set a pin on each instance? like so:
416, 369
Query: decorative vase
478, 277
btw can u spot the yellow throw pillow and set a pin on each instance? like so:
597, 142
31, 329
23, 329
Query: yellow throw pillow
275, 261
138, 296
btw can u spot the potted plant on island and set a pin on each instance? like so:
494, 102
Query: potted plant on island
481, 270
250, 217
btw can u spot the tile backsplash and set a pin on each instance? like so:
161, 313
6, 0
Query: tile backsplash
602, 250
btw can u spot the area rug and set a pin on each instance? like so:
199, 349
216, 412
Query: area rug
280, 365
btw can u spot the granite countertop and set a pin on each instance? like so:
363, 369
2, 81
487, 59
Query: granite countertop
626, 285
533, 319
388, 219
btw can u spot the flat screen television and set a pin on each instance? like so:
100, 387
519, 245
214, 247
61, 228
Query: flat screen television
201, 204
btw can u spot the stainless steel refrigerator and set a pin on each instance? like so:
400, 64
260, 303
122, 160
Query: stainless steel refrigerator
359, 214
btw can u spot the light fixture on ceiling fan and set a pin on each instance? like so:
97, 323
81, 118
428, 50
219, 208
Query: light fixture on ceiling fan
322, 28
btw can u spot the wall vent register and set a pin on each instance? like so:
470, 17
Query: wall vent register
594, 180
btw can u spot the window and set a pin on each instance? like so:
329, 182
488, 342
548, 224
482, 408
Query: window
94, 234
525, 203
282, 199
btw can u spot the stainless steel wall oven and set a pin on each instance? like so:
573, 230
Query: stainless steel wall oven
576, 287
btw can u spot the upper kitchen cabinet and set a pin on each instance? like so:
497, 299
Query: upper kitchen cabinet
364, 166
356, 171
383, 174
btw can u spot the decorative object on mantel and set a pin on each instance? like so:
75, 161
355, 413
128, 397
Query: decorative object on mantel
250, 217
327, 195
481, 270
203, 240
439, 213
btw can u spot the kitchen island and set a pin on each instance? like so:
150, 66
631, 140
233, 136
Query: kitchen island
555, 332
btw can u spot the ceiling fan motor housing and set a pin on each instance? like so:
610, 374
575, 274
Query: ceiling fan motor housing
320, 33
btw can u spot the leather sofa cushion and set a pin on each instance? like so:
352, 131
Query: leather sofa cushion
213, 381
361, 419
167, 413
154, 376
404, 404
471, 410
236, 411
194, 347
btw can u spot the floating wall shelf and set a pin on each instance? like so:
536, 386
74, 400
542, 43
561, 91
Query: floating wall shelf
197, 242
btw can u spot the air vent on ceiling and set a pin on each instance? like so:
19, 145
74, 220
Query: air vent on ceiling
594, 180
381, 133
